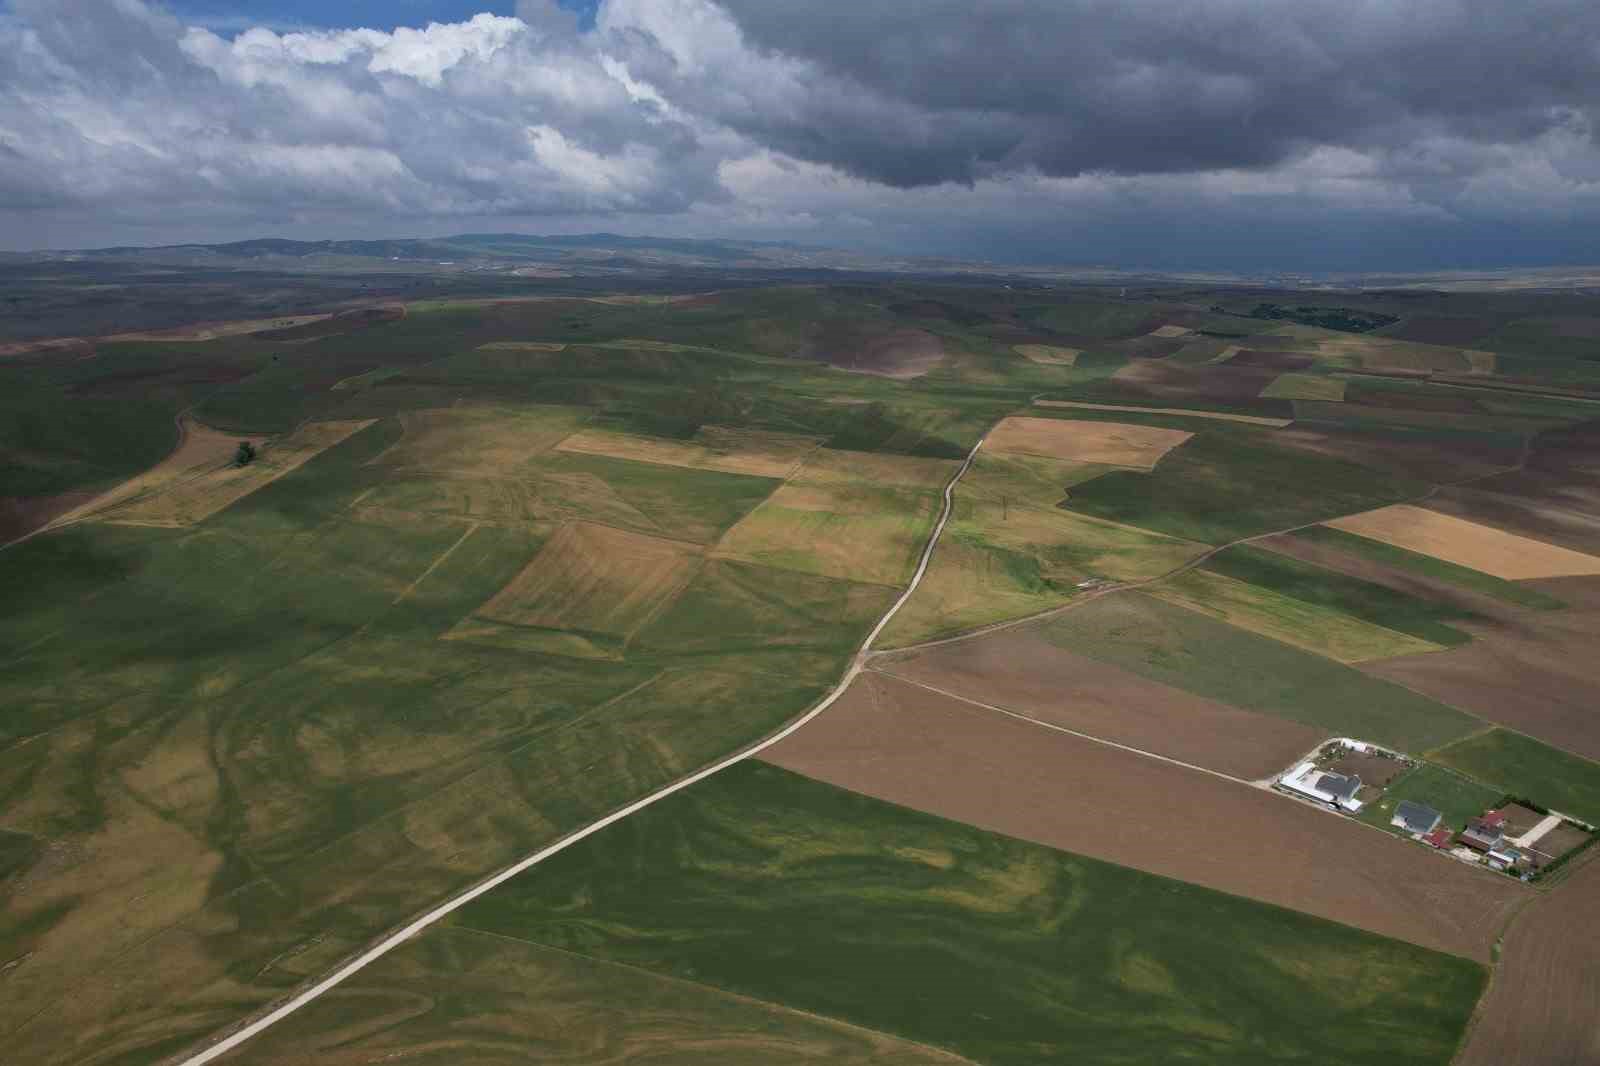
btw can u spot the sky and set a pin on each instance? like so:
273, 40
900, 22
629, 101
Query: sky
1245, 135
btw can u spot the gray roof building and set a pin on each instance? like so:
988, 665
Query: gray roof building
1339, 786
1416, 818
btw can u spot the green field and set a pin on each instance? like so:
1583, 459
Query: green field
1525, 767
1427, 566
234, 753
1378, 604
788, 891
1455, 797
458, 995
1198, 654
1230, 482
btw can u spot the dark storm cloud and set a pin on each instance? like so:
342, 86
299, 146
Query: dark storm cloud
962, 89
1073, 130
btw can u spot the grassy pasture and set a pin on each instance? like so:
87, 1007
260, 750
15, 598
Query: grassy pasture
1455, 797
1197, 654
253, 727
1311, 626
1305, 387
191, 496
1009, 552
764, 454
481, 440
592, 584
768, 885
735, 608
853, 531
459, 995
1526, 767
1428, 566
1382, 606
1232, 482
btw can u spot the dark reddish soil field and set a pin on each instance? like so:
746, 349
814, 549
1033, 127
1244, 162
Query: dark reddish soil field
21, 515
1554, 498
1455, 332
1409, 401
1520, 819
1541, 1008
1022, 672
904, 353
892, 740
1535, 671
1413, 453
1280, 361
1167, 385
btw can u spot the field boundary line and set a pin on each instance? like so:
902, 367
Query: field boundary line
393, 940
772, 1005
1065, 729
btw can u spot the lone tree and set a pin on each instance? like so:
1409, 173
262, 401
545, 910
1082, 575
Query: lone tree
245, 455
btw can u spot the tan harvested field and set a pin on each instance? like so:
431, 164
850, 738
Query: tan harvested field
1048, 354
734, 451
460, 996
523, 346
196, 487
1543, 1008
892, 740
1110, 443
854, 531
595, 579
1021, 671
1482, 364
1479, 547
1534, 671
480, 440
201, 451
831, 466
1323, 630
1171, 331
1221, 416
1305, 387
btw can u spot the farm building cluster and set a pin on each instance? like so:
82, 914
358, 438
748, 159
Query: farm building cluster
1512, 836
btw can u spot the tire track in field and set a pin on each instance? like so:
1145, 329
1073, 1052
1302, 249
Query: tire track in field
393, 940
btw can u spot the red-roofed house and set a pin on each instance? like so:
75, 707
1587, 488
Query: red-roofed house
1494, 819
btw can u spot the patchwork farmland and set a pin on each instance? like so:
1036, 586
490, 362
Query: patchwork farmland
1166, 682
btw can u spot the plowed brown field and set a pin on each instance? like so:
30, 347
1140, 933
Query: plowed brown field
892, 740
1534, 671
1019, 670
1544, 1006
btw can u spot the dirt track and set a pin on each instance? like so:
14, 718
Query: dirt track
889, 739
1543, 1008
1022, 671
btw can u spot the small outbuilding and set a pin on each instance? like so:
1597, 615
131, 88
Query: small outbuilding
1416, 818
1439, 838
